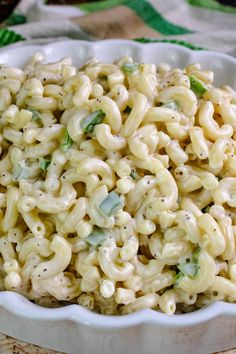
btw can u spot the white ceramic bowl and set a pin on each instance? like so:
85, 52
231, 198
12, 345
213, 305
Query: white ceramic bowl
73, 329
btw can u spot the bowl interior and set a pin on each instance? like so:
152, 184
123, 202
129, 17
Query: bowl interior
224, 68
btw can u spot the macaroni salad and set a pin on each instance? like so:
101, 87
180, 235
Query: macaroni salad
117, 186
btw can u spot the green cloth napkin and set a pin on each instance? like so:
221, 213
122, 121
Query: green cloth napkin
194, 23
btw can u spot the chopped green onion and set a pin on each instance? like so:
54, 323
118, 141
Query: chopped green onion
190, 269
21, 171
128, 109
197, 86
36, 115
67, 141
177, 278
89, 122
44, 163
111, 204
171, 105
129, 67
196, 254
97, 237
133, 174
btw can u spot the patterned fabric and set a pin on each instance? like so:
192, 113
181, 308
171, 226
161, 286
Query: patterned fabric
209, 24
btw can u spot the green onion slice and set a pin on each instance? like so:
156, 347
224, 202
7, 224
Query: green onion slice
174, 105
129, 67
190, 269
36, 115
89, 122
21, 171
196, 254
111, 204
67, 141
44, 163
197, 86
177, 278
97, 237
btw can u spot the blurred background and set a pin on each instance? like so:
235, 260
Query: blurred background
6, 6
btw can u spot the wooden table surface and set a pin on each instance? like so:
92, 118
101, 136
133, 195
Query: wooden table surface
10, 345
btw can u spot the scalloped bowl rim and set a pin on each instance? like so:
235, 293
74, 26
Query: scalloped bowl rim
22, 307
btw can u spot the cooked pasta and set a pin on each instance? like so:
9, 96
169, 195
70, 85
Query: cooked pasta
118, 186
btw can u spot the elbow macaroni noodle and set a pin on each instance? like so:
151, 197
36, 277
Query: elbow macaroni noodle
117, 186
